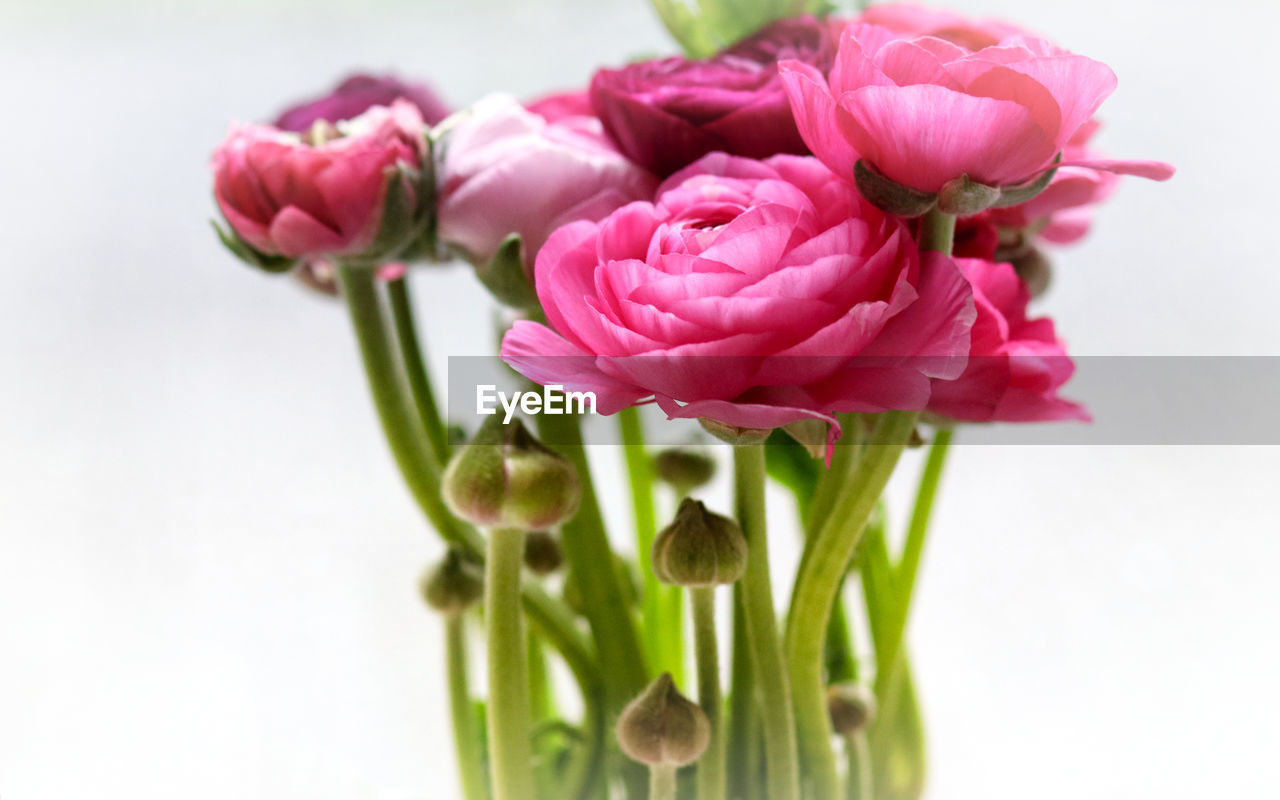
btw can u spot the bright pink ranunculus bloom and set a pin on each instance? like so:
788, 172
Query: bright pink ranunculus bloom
755, 293
1016, 365
908, 20
357, 94
504, 170
924, 110
666, 114
560, 105
287, 196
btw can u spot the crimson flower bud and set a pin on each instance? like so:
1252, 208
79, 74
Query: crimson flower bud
663, 727
699, 548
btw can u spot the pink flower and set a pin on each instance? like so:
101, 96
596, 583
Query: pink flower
924, 111
306, 197
908, 21
752, 293
504, 170
1016, 365
558, 106
356, 95
668, 113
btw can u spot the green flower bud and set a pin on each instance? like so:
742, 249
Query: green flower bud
663, 727
507, 479
1035, 270
684, 469
542, 553
451, 586
852, 707
700, 548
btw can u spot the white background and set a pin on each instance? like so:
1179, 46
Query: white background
207, 563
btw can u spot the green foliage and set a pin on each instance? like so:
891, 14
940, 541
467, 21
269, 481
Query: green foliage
703, 27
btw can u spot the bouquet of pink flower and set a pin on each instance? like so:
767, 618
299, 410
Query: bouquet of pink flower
816, 235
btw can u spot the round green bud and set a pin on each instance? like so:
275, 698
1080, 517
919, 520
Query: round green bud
507, 479
852, 707
663, 727
1035, 270
684, 469
699, 548
451, 586
542, 554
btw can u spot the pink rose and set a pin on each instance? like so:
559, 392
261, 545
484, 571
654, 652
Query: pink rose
1016, 365
752, 293
356, 95
353, 192
924, 112
503, 170
668, 113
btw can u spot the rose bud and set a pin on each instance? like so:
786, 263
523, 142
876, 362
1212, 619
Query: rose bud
852, 707
684, 469
699, 548
507, 178
668, 113
542, 554
352, 192
986, 124
357, 94
828, 306
453, 585
662, 727
1016, 365
507, 479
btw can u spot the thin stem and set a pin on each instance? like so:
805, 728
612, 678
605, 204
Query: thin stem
466, 739
841, 663
400, 422
904, 577
662, 782
711, 770
937, 231
768, 666
510, 725
743, 706
421, 470
858, 753
822, 569
415, 368
663, 636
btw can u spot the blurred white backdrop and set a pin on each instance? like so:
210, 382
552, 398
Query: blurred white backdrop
207, 562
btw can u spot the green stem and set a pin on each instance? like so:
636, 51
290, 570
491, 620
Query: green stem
663, 637
466, 739
400, 422
768, 666
937, 231
743, 707
711, 771
510, 725
822, 569
421, 470
904, 577
841, 663
858, 752
662, 782
416, 369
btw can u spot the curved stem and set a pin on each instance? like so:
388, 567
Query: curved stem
415, 368
711, 772
822, 569
421, 470
510, 725
662, 782
400, 422
466, 739
663, 634
858, 752
768, 667
904, 577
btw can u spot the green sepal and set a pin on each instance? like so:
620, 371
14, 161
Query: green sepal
254, 258
888, 195
505, 278
1016, 195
